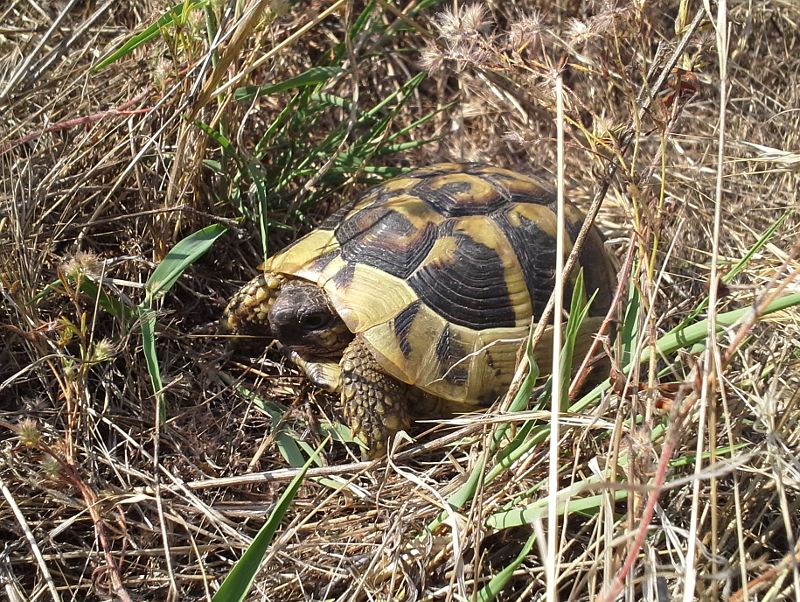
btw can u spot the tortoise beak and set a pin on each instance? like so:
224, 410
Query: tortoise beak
281, 323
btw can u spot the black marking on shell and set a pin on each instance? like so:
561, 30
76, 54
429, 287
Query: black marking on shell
344, 276
385, 239
455, 188
536, 253
402, 326
509, 186
449, 351
573, 229
443, 201
487, 357
532, 196
469, 289
335, 218
440, 169
545, 199
598, 273
321, 262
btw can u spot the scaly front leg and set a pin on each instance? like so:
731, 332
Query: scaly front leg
374, 404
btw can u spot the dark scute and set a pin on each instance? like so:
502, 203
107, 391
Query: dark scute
386, 240
596, 269
335, 218
439, 169
531, 198
454, 188
371, 197
321, 262
448, 352
443, 201
344, 276
573, 229
499, 182
536, 253
402, 326
470, 290
473, 168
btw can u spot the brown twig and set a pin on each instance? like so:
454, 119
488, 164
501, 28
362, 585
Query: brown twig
85, 120
622, 286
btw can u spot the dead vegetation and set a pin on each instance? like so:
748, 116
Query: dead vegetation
112, 490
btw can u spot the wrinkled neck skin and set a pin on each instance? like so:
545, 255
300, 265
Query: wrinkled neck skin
302, 320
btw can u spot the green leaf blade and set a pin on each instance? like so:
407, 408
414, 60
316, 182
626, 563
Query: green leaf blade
181, 256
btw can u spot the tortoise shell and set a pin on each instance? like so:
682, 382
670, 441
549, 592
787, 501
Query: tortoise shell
441, 271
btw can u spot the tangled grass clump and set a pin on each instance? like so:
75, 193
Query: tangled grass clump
150, 157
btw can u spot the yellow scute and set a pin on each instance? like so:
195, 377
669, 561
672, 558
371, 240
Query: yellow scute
298, 256
485, 359
369, 298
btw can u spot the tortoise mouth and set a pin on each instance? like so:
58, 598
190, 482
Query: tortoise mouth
303, 320
244, 337
328, 341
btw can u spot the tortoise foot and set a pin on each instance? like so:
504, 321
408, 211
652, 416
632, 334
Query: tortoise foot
374, 404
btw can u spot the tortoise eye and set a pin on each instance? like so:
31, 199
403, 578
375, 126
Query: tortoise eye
314, 320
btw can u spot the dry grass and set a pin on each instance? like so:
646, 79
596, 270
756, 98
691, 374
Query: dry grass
104, 171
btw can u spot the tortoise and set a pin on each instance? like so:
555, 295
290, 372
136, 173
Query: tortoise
416, 295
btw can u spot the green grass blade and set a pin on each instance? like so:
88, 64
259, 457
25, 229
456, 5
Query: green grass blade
571, 500
695, 333
219, 138
181, 256
112, 305
148, 321
630, 325
518, 517
311, 77
402, 94
285, 442
418, 122
686, 337
496, 584
239, 581
466, 492
326, 99
736, 269
522, 445
176, 14
578, 311
288, 443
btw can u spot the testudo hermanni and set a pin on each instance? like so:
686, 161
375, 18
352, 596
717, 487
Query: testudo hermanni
418, 293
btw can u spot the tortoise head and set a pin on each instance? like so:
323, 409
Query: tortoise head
297, 313
303, 320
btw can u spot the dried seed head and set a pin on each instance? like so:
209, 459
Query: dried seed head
464, 39
578, 31
460, 21
50, 468
600, 24
28, 432
103, 350
432, 58
163, 72
525, 31
83, 263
